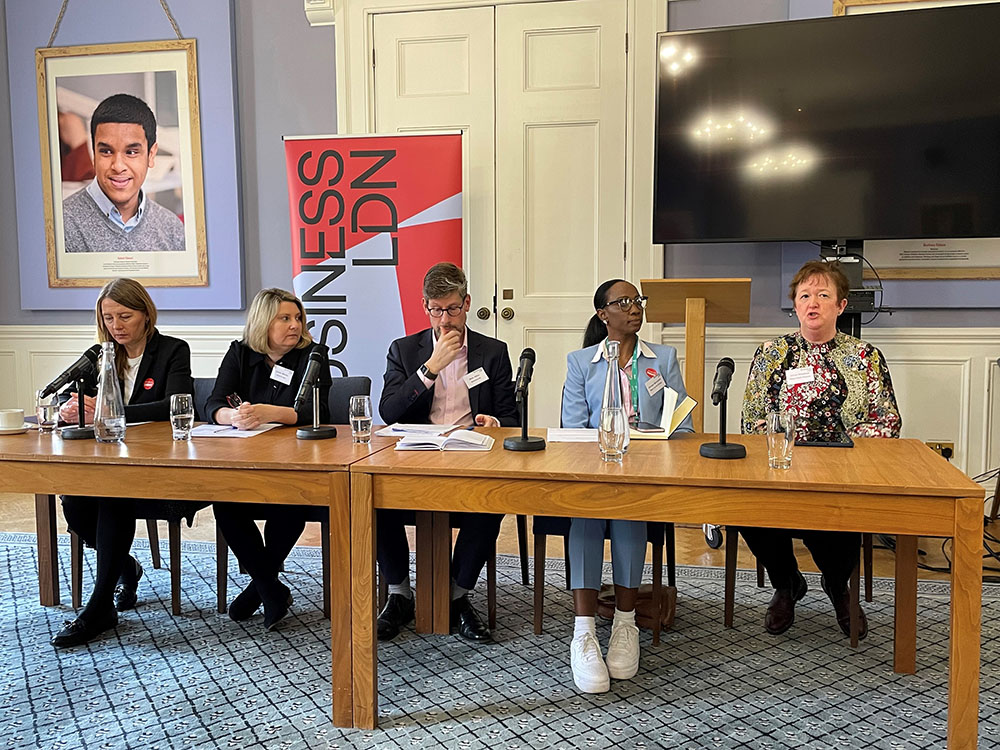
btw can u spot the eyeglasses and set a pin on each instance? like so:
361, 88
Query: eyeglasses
453, 311
626, 302
234, 400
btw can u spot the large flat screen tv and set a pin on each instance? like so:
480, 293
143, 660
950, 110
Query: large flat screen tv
879, 126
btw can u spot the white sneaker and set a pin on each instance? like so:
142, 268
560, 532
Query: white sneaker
589, 672
623, 651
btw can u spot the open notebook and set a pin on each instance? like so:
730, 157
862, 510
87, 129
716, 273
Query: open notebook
460, 440
676, 413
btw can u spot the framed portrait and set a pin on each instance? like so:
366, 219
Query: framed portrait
121, 198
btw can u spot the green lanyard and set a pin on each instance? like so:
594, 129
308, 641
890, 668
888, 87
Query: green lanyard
633, 379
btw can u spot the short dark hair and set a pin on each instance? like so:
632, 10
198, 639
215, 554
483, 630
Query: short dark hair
443, 280
124, 108
831, 270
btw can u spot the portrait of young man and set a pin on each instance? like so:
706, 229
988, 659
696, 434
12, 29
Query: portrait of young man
113, 214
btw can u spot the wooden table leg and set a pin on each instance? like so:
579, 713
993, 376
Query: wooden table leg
340, 600
905, 638
363, 644
425, 572
48, 553
442, 572
966, 611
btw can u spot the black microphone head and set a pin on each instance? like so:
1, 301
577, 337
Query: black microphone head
727, 362
528, 354
93, 353
316, 356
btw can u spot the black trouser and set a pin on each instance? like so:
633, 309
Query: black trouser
107, 524
476, 541
834, 552
261, 556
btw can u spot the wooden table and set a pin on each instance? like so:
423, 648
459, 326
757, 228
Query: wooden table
273, 467
882, 486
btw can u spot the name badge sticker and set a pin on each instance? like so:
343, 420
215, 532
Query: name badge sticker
655, 385
282, 374
475, 377
799, 375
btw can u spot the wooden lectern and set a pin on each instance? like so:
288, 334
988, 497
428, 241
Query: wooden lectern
695, 302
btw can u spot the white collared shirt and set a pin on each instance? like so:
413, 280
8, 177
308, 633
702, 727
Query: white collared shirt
111, 211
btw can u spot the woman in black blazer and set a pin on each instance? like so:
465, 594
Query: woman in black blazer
257, 383
151, 367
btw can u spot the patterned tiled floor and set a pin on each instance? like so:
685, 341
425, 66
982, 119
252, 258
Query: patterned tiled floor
201, 680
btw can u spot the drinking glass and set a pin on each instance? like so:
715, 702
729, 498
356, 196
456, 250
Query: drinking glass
47, 411
360, 414
181, 415
780, 439
611, 433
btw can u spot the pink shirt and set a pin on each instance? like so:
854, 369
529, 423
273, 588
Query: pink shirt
450, 404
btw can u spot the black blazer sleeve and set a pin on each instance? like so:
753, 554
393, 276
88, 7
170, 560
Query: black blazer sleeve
502, 380
227, 380
169, 367
405, 398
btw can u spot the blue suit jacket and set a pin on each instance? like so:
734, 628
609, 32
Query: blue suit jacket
406, 399
584, 387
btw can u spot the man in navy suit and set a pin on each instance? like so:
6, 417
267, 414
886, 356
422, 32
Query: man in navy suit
445, 374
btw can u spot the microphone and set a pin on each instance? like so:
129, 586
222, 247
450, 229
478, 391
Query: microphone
310, 377
524, 368
86, 363
723, 374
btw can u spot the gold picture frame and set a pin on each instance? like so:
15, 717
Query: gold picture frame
71, 81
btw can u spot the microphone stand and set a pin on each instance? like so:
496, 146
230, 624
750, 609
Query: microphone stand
80, 432
523, 442
722, 449
316, 432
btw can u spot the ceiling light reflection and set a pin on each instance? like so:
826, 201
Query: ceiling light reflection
677, 60
734, 129
790, 161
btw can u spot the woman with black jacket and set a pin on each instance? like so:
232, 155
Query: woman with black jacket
151, 367
257, 383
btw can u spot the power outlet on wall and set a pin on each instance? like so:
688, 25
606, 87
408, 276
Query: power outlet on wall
942, 448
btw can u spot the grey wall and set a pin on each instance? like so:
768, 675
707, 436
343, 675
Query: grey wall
285, 85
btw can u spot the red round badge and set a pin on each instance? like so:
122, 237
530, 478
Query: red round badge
148, 383
651, 373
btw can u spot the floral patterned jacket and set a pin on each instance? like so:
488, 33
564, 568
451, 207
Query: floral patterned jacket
850, 391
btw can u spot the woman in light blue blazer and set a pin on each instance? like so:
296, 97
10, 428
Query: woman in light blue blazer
646, 370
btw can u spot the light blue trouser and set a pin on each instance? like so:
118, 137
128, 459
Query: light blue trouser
586, 552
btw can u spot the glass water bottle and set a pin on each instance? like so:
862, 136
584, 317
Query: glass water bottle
613, 426
109, 415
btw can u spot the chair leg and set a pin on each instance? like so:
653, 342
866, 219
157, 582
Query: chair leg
657, 592
569, 584
866, 541
154, 542
671, 546
522, 546
221, 570
76, 568
324, 526
174, 538
539, 581
760, 575
383, 590
729, 591
491, 588
855, 605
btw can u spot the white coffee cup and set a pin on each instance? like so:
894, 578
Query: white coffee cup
11, 419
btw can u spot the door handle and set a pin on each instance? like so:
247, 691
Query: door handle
483, 313
507, 313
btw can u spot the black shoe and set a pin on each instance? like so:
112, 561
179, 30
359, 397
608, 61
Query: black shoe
276, 604
125, 592
842, 607
467, 620
246, 604
79, 631
397, 612
781, 611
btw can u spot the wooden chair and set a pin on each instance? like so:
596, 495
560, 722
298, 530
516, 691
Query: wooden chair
732, 547
339, 397
660, 535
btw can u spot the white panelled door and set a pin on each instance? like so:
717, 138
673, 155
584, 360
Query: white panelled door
560, 177
434, 71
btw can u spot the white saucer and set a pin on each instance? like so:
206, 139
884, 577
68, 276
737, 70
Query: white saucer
15, 430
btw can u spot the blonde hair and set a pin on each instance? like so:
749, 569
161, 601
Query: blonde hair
263, 310
133, 295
